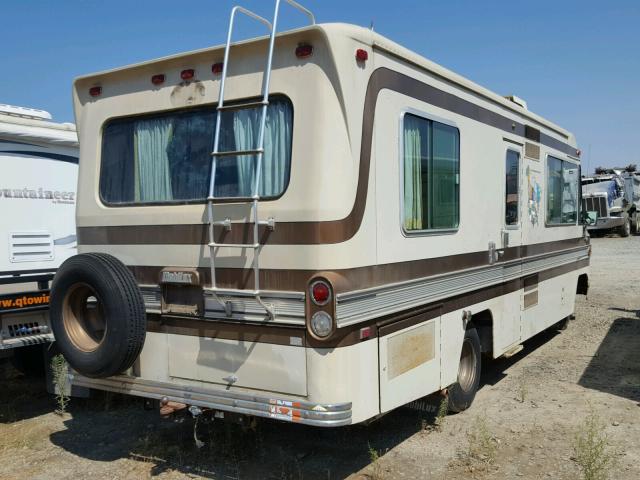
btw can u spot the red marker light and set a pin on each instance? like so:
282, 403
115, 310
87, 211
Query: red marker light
158, 79
187, 74
217, 68
362, 55
304, 51
320, 292
95, 91
365, 333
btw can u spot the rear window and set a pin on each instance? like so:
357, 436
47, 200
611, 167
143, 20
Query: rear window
166, 158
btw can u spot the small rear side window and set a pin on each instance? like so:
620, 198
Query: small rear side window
166, 158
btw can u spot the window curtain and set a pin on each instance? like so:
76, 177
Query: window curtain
246, 128
412, 173
276, 158
151, 141
277, 142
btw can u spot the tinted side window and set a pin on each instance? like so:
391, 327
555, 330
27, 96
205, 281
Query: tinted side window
431, 166
563, 184
512, 182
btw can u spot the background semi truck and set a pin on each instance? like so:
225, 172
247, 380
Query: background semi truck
611, 201
39, 169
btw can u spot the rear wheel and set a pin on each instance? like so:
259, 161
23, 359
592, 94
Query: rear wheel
462, 393
625, 230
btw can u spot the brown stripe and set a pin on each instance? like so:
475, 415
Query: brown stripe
361, 277
273, 334
326, 232
346, 336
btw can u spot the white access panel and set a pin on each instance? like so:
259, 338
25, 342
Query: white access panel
409, 364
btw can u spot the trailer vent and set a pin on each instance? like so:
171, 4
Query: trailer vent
30, 247
532, 150
595, 204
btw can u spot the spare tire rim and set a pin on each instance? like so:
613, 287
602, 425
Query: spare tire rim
467, 369
83, 317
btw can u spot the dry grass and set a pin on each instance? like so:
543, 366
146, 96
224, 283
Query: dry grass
592, 451
481, 443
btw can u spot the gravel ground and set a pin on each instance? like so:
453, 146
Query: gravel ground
523, 423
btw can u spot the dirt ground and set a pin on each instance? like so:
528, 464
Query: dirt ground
523, 423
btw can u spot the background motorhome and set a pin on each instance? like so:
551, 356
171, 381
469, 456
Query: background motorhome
611, 200
343, 241
39, 165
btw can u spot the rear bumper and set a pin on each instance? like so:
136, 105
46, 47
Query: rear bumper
288, 410
9, 343
607, 223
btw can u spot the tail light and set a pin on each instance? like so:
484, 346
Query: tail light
95, 91
217, 68
320, 292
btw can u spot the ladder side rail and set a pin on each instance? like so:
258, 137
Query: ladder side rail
266, 81
216, 142
303, 9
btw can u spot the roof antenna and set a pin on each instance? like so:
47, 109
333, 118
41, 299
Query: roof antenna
371, 27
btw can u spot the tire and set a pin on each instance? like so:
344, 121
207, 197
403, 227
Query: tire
562, 324
462, 393
97, 315
30, 360
625, 230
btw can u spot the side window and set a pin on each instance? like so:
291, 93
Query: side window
431, 172
563, 185
512, 193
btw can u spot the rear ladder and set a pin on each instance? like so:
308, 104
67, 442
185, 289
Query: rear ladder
257, 153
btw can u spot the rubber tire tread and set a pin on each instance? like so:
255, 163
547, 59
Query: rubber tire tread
458, 399
124, 297
625, 230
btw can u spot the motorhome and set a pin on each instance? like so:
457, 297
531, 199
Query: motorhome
314, 226
39, 162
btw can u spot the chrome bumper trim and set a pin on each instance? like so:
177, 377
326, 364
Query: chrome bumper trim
288, 410
17, 342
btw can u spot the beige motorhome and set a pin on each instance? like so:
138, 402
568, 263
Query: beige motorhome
372, 225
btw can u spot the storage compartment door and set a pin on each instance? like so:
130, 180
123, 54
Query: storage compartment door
409, 361
237, 363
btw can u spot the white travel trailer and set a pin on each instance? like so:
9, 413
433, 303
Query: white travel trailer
39, 164
343, 242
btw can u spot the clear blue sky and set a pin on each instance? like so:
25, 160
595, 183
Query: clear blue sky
575, 62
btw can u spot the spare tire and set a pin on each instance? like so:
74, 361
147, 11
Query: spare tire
97, 315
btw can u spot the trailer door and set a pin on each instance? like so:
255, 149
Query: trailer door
509, 333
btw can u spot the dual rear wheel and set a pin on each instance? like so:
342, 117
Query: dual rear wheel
462, 393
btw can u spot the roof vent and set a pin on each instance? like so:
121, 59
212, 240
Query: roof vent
517, 100
24, 112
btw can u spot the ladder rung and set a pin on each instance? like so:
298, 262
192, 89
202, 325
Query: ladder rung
242, 106
240, 201
234, 245
238, 153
